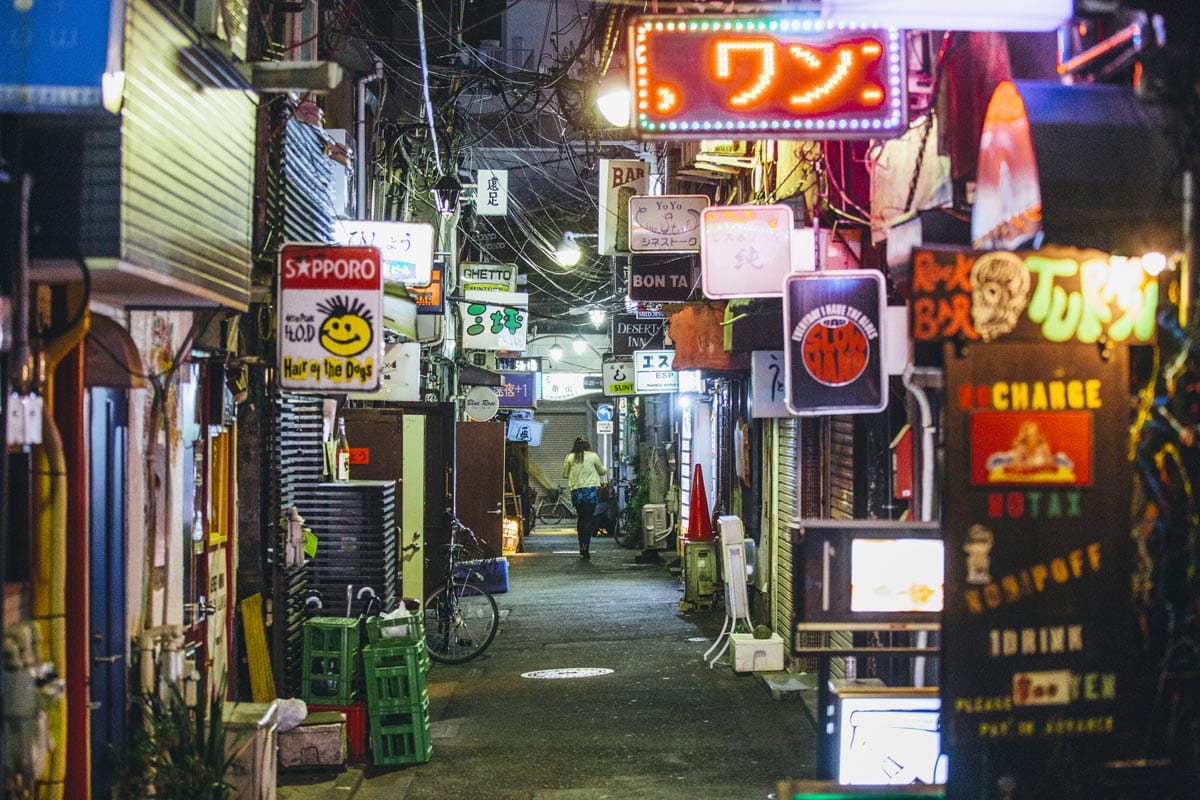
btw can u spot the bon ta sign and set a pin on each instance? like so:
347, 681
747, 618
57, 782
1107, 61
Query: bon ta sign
330, 329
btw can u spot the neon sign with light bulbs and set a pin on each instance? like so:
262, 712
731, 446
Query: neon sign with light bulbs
700, 77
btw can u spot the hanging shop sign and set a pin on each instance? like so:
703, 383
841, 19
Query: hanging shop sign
698, 332
1055, 294
653, 373
61, 57
620, 181
662, 278
519, 363
330, 329
630, 333
794, 76
481, 404
747, 250
767, 385
1040, 637
407, 247
831, 321
666, 223
491, 193
489, 277
518, 389
494, 320
431, 299
400, 378
617, 375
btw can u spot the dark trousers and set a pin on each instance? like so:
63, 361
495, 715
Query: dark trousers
585, 523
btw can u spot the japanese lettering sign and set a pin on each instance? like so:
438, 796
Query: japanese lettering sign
518, 390
1040, 634
653, 372
491, 192
630, 333
1055, 294
407, 247
767, 385
832, 342
786, 77
494, 320
56, 55
747, 250
330, 329
617, 374
667, 223
662, 278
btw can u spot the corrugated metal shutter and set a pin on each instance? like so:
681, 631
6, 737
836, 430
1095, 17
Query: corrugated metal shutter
558, 436
304, 211
841, 467
187, 177
786, 519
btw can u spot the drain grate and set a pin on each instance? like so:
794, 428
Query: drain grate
567, 672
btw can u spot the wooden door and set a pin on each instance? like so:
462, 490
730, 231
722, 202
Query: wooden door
479, 480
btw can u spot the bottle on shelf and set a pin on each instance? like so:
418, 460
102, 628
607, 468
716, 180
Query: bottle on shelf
341, 454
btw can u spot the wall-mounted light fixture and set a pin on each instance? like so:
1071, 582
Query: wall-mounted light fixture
568, 252
446, 193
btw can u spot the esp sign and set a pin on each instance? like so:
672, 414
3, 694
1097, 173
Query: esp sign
653, 373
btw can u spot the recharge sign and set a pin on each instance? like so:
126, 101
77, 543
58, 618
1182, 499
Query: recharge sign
330, 329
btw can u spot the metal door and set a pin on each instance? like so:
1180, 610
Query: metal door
479, 480
108, 432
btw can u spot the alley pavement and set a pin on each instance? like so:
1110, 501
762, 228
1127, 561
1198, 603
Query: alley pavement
656, 723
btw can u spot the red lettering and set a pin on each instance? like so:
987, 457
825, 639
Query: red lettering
995, 505
1016, 505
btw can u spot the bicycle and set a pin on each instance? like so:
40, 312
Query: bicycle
461, 616
554, 506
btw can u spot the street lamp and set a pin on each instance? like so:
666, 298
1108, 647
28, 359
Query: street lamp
568, 252
445, 195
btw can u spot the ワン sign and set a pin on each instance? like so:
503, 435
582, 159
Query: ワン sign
795, 75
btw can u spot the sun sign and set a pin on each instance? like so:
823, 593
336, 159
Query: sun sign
799, 77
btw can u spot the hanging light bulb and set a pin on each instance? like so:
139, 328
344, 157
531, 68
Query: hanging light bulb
597, 316
556, 352
579, 345
568, 252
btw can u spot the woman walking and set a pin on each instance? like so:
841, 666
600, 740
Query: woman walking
582, 470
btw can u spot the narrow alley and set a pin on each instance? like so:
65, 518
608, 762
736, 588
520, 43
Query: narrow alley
658, 723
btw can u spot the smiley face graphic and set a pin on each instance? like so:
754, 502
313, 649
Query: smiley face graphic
347, 329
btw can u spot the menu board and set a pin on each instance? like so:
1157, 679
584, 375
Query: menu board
1038, 622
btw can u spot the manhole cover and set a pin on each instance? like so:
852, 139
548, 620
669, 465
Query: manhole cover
567, 672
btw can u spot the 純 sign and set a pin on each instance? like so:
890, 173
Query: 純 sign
330, 329
630, 333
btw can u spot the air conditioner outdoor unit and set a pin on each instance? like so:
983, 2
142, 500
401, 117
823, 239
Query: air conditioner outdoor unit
654, 526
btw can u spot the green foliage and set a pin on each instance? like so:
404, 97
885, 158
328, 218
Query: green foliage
631, 522
174, 752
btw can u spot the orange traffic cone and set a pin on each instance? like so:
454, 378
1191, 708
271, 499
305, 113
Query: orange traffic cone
699, 518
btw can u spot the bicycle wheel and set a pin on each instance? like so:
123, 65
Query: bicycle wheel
551, 513
461, 619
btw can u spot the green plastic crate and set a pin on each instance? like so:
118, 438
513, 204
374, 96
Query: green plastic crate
395, 675
331, 660
401, 736
398, 632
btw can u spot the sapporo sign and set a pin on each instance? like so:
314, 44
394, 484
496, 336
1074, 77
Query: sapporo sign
330, 329
1040, 637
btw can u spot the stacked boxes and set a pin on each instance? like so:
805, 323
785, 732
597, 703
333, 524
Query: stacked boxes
394, 667
331, 658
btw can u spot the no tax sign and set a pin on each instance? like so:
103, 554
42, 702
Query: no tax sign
330, 328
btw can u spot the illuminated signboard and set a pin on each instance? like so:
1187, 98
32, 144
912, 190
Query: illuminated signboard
798, 76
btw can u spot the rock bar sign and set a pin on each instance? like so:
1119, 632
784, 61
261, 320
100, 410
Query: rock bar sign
330, 329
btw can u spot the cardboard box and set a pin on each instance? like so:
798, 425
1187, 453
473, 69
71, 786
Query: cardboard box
756, 655
319, 741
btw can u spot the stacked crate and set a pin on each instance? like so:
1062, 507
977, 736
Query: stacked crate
394, 667
331, 660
